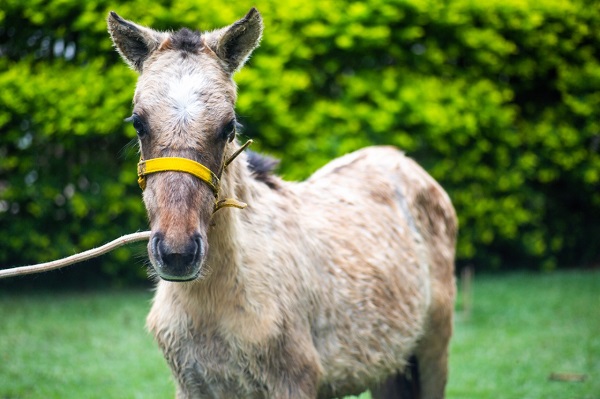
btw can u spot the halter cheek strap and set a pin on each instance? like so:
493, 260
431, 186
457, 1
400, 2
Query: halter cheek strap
176, 164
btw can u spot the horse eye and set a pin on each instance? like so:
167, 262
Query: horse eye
138, 125
228, 131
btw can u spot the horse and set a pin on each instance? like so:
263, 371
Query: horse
316, 289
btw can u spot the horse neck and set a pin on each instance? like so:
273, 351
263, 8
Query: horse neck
234, 293
224, 263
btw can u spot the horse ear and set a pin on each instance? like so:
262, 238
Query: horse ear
234, 43
135, 43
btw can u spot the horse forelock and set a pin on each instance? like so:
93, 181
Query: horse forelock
186, 40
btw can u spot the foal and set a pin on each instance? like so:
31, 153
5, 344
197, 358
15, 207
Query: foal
319, 289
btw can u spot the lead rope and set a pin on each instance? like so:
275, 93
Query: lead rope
207, 177
230, 202
80, 257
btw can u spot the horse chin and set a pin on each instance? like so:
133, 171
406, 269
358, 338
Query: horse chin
177, 278
178, 272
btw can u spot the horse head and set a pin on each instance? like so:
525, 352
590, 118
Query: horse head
183, 113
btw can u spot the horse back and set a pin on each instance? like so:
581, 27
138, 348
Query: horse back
384, 176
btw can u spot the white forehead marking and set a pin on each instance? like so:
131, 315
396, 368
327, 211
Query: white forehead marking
184, 98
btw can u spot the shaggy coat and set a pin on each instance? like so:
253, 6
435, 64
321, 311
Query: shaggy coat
317, 289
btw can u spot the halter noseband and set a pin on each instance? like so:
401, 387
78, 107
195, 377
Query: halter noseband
176, 164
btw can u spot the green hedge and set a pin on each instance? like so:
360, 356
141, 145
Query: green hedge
499, 100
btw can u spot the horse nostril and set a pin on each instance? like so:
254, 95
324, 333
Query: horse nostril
155, 246
197, 246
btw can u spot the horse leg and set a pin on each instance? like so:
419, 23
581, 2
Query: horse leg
404, 385
295, 368
432, 351
425, 375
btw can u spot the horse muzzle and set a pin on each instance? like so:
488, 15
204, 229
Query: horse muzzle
181, 262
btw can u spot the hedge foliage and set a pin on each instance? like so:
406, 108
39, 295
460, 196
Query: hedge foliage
499, 100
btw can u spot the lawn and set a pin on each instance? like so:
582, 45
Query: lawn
522, 329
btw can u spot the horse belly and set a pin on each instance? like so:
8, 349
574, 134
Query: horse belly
372, 324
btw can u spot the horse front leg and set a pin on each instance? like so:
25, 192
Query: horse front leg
296, 369
302, 384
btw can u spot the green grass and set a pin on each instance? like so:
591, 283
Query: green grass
79, 345
93, 345
524, 328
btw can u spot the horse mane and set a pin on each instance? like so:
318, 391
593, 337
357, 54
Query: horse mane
262, 167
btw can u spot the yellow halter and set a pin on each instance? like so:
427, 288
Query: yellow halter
176, 164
